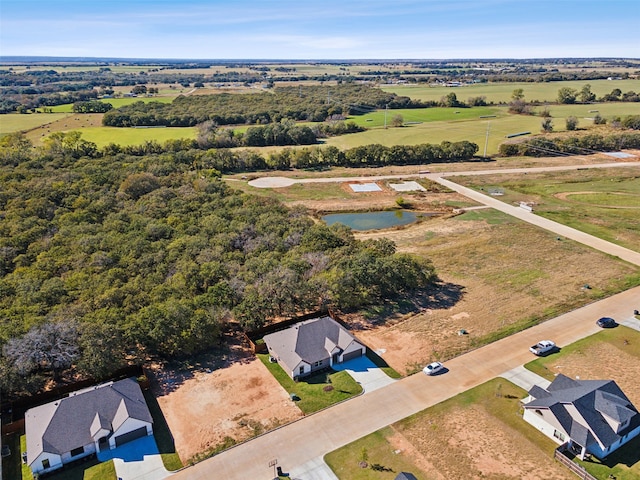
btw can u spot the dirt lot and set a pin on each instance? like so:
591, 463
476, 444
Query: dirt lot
235, 397
493, 275
490, 449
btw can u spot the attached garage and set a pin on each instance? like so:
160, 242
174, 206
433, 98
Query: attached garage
130, 436
352, 355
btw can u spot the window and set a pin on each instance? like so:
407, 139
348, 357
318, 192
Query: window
45, 463
301, 370
539, 412
559, 435
77, 451
318, 363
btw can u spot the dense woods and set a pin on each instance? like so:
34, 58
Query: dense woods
111, 259
310, 103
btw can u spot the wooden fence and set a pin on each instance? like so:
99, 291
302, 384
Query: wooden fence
579, 470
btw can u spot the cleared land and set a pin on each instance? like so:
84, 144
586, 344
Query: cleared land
229, 400
439, 443
15, 122
501, 92
602, 202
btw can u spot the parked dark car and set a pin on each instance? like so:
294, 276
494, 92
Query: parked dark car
606, 322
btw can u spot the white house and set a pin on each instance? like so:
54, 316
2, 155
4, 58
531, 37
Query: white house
590, 416
312, 345
87, 421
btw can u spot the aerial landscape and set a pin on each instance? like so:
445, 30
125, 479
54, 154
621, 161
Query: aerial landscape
352, 240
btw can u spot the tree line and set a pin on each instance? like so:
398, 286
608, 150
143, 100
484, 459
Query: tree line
308, 103
115, 258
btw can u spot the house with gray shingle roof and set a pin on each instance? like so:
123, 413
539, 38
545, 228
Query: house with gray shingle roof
591, 416
312, 345
87, 421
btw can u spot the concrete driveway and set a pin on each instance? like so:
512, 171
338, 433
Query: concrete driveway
366, 373
137, 460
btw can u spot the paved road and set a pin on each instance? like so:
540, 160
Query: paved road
555, 227
307, 440
278, 182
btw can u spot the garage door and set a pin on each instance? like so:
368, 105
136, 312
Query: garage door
132, 435
352, 355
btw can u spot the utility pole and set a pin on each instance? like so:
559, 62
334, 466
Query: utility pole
486, 139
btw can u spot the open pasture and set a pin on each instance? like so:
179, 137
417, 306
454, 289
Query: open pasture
116, 102
16, 122
501, 92
409, 115
438, 443
102, 136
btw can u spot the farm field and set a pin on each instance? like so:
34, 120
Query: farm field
16, 122
116, 102
604, 203
501, 92
437, 443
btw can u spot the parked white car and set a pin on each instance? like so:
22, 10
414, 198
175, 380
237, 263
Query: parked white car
542, 347
433, 368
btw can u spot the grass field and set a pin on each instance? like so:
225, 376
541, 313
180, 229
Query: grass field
102, 136
438, 443
16, 122
501, 92
601, 202
116, 102
467, 125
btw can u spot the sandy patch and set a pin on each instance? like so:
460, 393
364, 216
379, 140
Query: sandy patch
238, 400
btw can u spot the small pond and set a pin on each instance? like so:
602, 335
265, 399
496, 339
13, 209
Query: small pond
374, 220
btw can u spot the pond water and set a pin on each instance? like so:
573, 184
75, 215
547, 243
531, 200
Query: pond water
374, 220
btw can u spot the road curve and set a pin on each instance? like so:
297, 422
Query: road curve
311, 437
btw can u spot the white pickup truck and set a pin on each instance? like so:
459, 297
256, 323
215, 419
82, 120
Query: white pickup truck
542, 347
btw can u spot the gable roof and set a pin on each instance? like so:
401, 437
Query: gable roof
309, 341
59, 427
593, 400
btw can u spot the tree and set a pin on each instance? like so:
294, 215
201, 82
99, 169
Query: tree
517, 94
586, 95
450, 100
52, 346
567, 95
397, 121
547, 125
599, 119
139, 90
571, 123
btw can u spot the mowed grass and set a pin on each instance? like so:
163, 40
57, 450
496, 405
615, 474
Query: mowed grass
102, 136
445, 125
602, 202
377, 118
16, 122
501, 92
433, 443
310, 390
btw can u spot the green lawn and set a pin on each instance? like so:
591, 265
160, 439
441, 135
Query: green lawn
437, 114
501, 92
311, 391
16, 122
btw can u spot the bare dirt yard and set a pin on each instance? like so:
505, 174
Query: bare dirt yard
496, 273
234, 397
444, 445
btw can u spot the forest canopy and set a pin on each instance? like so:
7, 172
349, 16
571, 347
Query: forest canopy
120, 256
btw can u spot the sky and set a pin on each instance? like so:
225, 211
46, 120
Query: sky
322, 29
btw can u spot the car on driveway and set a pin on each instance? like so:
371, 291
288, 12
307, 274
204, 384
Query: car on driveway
433, 368
542, 347
606, 322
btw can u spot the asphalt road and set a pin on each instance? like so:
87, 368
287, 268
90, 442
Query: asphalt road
308, 439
